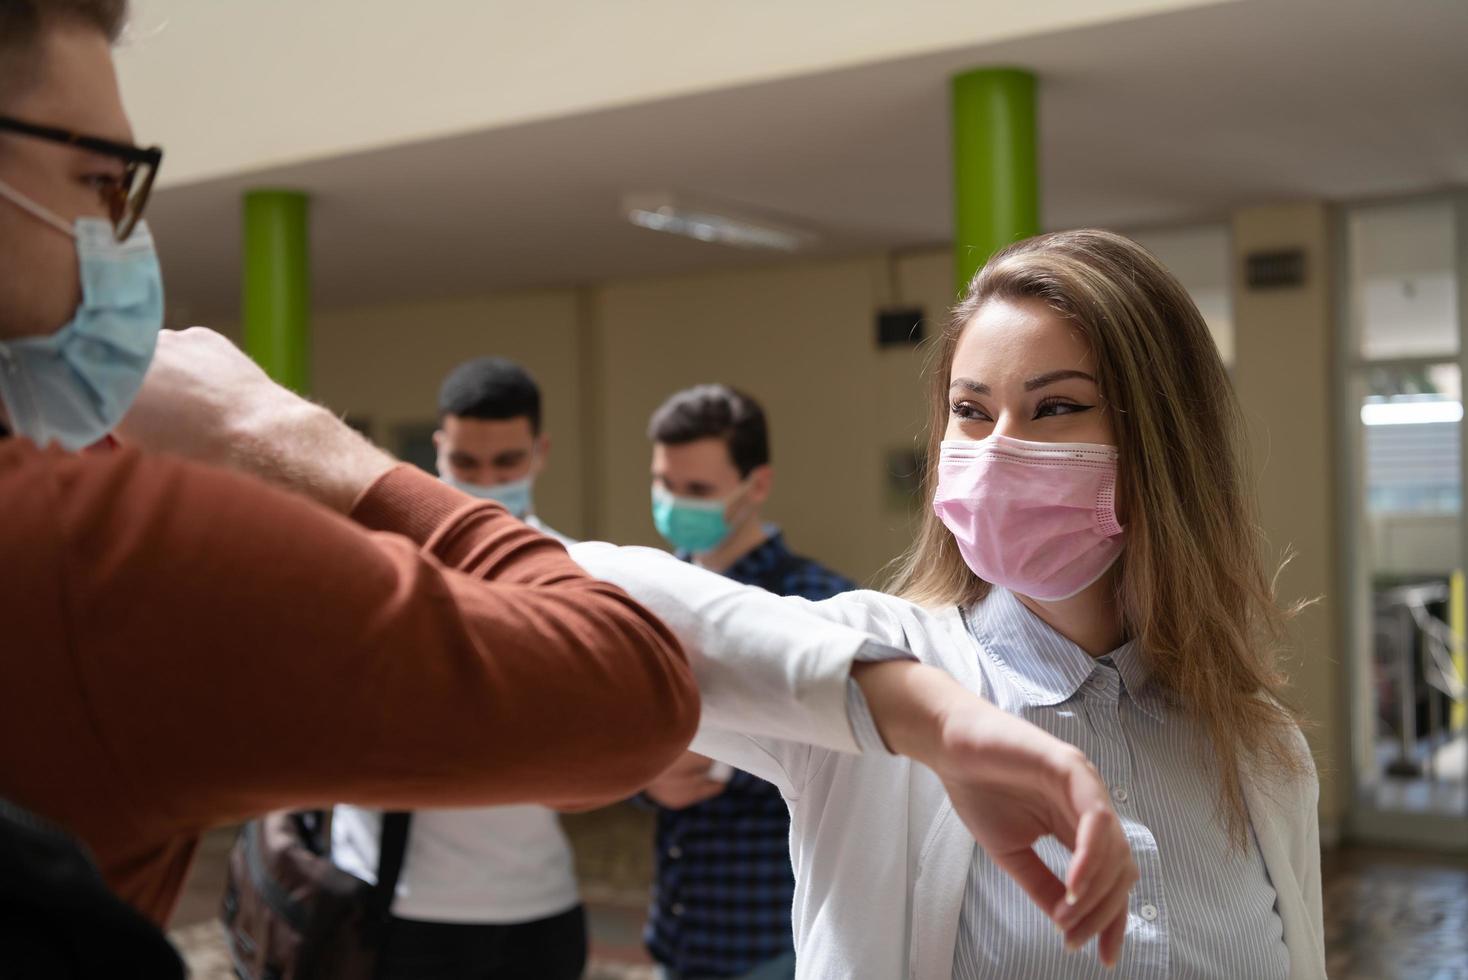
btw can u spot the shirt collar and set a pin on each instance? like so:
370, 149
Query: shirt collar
757, 565
1046, 667
769, 554
1136, 679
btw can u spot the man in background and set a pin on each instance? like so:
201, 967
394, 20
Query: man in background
723, 883
487, 893
489, 441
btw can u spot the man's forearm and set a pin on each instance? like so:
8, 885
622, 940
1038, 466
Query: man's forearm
304, 448
205, 400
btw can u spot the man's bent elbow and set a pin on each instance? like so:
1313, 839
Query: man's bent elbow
679, 724
656, 726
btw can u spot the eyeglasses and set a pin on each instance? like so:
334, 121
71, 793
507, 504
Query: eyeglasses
124, 198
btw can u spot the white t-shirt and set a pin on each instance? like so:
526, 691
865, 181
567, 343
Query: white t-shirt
497, 865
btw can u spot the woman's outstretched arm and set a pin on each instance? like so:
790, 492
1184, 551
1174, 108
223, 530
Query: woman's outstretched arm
777, 671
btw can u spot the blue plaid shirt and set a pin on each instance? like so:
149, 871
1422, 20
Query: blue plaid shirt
721, 901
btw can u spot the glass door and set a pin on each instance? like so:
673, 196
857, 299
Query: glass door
1404, 436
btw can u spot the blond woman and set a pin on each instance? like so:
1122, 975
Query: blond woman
1091, 565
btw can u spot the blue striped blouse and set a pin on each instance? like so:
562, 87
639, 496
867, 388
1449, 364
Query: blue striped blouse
1202, 908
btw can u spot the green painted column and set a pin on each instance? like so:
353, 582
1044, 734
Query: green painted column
996, 187
276, 300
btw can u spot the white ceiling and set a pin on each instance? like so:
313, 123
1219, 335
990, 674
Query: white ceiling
399, 74
1161, 120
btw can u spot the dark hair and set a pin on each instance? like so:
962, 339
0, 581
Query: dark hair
490, 388
715, 412
21, 23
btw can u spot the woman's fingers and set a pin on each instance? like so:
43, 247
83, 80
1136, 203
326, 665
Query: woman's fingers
1013, 784
1100, 858
1038, 881
1082, 791
1079, 931
1097, 895
1103, 909
1109, 948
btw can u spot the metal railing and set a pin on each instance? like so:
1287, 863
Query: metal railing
1407, 606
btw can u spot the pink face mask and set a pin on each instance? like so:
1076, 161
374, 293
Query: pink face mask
1038, 518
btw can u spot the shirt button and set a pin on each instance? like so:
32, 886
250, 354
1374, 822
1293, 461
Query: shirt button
675, 852
678, 909
1149, 912
1121, 794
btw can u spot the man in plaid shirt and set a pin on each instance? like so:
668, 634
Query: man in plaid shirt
721, 906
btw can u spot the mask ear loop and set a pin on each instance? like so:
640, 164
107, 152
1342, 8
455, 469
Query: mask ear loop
19, 400
35, 210
738, 510
21, 406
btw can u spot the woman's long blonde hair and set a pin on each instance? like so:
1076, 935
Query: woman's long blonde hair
1194, 585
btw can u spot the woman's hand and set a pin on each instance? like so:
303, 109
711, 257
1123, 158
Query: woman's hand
1012, 784
685, 783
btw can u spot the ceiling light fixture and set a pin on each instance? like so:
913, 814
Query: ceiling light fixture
707, 223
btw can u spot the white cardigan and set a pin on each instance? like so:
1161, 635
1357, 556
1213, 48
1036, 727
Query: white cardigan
881, 858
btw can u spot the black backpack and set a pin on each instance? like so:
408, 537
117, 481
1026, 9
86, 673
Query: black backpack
59, 920
292, 914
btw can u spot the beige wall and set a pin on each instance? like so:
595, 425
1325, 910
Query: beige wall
1284, 375
801, 340
384, 365
800, 337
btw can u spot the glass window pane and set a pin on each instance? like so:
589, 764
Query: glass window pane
1411, 419
1403, 290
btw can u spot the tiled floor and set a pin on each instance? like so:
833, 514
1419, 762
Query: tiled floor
1389, 915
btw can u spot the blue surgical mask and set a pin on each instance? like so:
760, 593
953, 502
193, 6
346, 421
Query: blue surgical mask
74, 386
513, 496
694, 526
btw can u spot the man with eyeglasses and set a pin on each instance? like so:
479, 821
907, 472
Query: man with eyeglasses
181, 645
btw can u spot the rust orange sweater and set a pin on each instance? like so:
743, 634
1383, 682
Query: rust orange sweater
182, 646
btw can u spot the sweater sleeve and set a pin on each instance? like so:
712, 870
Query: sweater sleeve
242, 649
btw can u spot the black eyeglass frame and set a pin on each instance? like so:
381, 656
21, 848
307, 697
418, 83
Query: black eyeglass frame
125, 207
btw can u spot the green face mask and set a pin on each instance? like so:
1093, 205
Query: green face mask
695, 526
